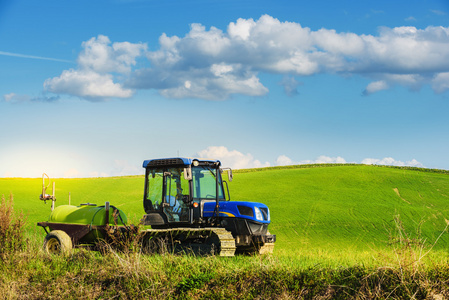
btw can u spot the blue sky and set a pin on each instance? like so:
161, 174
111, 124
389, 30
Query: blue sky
92, 88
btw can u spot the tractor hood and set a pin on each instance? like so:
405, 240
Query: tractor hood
239, 209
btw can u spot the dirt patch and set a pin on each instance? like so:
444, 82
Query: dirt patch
399, 195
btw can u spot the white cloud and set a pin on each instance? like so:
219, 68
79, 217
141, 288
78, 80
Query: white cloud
217, 83
13, 97
411, 18
290, 85
412, 81
213, 64
95, 79
233, 159
389, 161
375, 86
100, 56
123, 167
330, 160
438, 12
414, 163
397, 56
86, 84
440, 83
241, 29
283, 160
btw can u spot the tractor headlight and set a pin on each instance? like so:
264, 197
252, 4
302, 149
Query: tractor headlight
258, 214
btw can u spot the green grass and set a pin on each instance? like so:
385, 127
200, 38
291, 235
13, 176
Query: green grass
88, 275
343, 232
348, 207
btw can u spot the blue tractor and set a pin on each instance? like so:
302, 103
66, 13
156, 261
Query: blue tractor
188, 207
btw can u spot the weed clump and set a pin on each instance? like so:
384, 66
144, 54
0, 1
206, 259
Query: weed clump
122, 240
12, 229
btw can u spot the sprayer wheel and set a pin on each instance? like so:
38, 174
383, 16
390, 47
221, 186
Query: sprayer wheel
57, 242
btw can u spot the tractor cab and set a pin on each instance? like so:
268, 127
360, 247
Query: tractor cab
177, 189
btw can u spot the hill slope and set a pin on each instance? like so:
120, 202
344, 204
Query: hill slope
332, 207
348, 206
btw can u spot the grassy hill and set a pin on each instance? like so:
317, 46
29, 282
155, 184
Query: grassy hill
349, 206
336, 228
330, 207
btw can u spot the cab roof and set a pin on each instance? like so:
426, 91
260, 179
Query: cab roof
175, 161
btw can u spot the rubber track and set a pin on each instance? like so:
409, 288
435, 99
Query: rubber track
267, 248
226, 245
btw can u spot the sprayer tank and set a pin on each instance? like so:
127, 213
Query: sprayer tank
86, 214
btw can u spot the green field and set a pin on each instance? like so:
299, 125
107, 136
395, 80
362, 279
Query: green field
343, 231
349, 207
331, 208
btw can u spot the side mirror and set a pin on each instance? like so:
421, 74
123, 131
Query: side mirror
230, 176
188, 173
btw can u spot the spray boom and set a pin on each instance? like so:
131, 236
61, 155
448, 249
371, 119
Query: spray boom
44, 196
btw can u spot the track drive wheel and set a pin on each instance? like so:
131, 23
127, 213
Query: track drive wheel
57, 242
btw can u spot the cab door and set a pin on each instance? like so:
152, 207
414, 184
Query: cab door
175, 201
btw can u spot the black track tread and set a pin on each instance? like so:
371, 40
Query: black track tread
226, 240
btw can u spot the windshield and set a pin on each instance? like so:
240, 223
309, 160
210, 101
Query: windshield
169, 190
204, 184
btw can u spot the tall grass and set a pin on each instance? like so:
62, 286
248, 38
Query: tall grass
12, 228
409, 270
90, 275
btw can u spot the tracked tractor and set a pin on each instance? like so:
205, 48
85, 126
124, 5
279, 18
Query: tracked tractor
187, 204
187, 210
